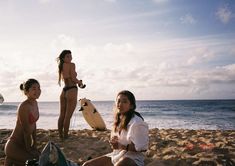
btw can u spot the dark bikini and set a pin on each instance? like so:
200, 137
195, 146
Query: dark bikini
69, 87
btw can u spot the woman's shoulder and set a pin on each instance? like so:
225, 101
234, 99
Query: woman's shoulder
68, 64
136, 120
24, 107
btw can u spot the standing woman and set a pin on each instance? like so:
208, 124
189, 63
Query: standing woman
68, 97
21, 145
129, 137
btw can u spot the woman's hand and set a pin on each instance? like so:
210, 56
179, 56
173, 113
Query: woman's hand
114, 142
80, 84
35, 152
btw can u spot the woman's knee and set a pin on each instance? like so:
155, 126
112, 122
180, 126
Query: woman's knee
12, 152
126, 161
8, 162
86, 164
11, 162
99, 161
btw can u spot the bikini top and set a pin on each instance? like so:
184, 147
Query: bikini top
32, 119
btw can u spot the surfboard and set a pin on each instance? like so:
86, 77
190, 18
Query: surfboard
91, 115
1, 99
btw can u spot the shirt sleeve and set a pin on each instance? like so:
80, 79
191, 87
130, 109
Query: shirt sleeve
138, 134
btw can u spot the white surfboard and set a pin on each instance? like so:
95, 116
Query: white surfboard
1, 99
91, 115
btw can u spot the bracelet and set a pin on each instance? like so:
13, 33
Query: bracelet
127, 146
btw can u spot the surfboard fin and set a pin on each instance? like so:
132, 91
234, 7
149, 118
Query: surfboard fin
94, 111
85, 104
81, 109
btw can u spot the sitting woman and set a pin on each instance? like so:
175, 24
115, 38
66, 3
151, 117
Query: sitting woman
129, 137
21, 145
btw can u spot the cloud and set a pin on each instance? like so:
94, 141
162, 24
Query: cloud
224, 14
44, 1
224, 74
64, 42
157, 69
126, 47
200, 55
109, 55
111, 0
188, 19
160, 1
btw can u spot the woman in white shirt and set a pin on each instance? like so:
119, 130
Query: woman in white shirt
129, 137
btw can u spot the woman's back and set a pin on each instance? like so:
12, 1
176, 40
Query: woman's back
68, 73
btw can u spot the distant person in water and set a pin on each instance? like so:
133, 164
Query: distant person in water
129, 137
21, 144
68, 97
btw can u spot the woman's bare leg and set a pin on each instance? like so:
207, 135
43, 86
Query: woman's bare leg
126, 161
62, 114
17, 155
71, 102
11, 162
8, 162
99, 161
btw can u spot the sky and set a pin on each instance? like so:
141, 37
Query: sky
158, 49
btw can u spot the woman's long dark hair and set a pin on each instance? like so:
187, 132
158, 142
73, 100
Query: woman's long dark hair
119, 123
60, 61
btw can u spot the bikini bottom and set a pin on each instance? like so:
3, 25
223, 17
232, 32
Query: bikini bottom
66, 88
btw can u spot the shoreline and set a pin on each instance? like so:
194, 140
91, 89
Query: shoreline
167, 147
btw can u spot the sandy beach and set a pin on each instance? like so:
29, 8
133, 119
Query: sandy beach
168, 147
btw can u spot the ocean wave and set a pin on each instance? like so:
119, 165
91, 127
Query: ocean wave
8, 107
158, 114
48, 114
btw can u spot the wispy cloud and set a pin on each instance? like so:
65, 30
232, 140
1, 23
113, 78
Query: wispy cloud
160, 1
45, 1
188, 19
200, 55
111, 0
224, 14
63, 41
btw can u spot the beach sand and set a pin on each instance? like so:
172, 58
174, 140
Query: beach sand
168, 147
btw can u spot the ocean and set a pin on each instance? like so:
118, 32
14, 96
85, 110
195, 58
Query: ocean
162, 114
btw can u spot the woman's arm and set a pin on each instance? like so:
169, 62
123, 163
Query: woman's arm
74, 74
34, 137
128, 147
138, 136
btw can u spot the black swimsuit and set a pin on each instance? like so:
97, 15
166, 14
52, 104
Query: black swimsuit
69, 87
